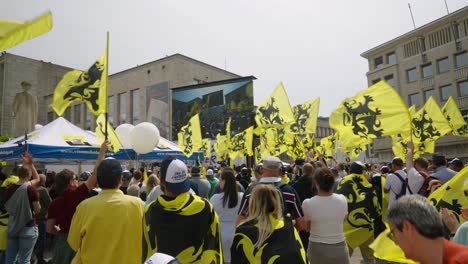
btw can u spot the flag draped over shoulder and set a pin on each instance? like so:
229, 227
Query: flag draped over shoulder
242, 143
220, 146
428, 125
13, 33
454, 116
189, 137
206, 147
451, 195
89, 86
306, 115
363, 208
275, 111
114, 141
374, 112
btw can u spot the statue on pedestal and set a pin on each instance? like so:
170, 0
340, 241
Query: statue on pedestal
24, 111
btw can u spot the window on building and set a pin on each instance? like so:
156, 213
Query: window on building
67, 114
426, 70
111, 105
413, 99
461, 59
391, 58
87, 119
378, 62
445, 92
122, 108
135, 106
375, 81
77, 114
412, 75
443, 65
463, 88
428, 94
390, 80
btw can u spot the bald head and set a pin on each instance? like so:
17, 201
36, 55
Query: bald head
133, 190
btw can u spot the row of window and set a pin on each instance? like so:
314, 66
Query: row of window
444, 91
122, 115
442, 65
390, 58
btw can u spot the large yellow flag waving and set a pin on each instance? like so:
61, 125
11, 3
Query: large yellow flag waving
13, 33
242, 143
306, 115
220, 147
272, 141
206, 147
329, 145
189, 137
114, 141
88, 86
275, 111
374, 112
453, 115
429, 124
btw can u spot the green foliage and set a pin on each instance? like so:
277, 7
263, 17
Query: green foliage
4, 137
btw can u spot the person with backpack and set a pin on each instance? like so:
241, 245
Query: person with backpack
271, 174
395, 184
419, 181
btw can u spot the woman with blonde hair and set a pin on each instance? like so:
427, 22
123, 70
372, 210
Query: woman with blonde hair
265, 237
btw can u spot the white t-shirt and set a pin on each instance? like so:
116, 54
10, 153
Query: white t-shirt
393, 183
326, 215
415, 180
227, 219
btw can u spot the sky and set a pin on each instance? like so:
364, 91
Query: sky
313, 47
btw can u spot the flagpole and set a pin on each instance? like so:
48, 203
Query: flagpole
106, 115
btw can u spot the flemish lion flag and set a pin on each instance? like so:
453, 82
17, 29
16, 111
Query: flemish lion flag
275, 111
306, 115
242, 143
206, 147
88, 86
309, 143
114, 141
454, 116
374, 112
13, 33
272, 141
329, 144
189, 137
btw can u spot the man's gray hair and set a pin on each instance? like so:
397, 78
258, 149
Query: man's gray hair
417, 210
133, 190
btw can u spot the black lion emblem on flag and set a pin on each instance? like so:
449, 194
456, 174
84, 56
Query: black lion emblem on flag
362, 118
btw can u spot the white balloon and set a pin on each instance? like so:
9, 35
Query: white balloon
37, 126
123, 132
144, 137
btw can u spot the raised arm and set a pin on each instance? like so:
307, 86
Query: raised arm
91, 181
409, 155
28, 160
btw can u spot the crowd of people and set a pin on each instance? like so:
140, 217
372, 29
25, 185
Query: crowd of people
217, 214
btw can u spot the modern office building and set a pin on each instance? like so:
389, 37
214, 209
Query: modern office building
138, 94
431, 60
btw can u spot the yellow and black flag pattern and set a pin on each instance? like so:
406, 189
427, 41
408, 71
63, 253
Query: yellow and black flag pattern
190, 217
275, 111
189, 137
306, 115
206, 147
374, 112
89, 86
454, 117
363, 208
242, 143
329, 145
283, 246
220, 147
114, 141
308, 141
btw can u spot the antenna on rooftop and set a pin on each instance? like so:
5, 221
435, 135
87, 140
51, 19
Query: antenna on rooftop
446, 6
412, 18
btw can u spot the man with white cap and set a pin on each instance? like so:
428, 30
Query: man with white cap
271, 174
181, 224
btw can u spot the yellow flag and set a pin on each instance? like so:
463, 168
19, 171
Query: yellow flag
451, 194
374, 112
114, 141
272, 140
309, 143
220, 147
428, 125
88, 86
228, 134
242, 143
145, 175
260, 153
206, 147
454, 116
462, 131
13, 33
306, 115
275, 111
385, 249
354, 152
189, 137
294, 145
329, 145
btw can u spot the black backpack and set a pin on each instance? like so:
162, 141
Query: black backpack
404, 184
